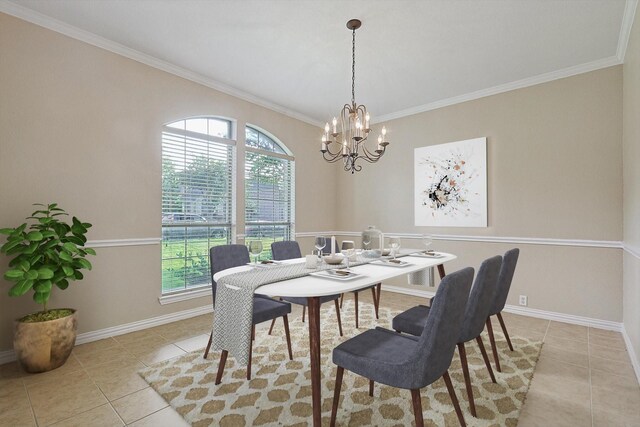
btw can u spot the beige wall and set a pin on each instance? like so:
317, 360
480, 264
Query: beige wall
631, 167
553, 155
81, 126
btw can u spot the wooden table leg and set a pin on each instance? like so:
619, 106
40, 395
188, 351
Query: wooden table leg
314, 344
441, 271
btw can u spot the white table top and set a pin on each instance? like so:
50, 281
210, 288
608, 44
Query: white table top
311, 286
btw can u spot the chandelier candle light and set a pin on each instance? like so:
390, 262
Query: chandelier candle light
349, 142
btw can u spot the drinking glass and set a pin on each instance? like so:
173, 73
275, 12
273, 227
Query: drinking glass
347, 253
395, 245
255, 248
427, 240
320, 243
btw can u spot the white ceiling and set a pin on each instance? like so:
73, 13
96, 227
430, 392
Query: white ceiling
296, 55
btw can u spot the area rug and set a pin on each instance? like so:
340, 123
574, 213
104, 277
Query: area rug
279, 392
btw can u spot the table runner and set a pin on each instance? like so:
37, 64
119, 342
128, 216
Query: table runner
233, 313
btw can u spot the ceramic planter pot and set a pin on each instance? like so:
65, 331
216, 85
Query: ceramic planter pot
43, 346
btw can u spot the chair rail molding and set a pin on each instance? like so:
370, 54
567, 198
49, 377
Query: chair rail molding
115, 243
484, 239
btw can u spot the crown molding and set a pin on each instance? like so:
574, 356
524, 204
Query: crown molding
52, 24
625, 29
45, 21
507, 87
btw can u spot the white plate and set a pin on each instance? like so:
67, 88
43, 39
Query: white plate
260, 265
331, 274
424, 255
391, 264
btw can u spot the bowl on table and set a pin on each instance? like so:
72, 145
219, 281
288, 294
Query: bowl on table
333, 259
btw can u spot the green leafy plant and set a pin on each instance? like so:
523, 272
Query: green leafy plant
49, 253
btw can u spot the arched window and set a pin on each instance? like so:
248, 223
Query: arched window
269, 189
197, 196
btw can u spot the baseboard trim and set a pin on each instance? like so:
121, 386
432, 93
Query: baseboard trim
9, 356
526, 311
632, 353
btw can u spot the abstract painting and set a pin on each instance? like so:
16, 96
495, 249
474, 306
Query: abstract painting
451, 184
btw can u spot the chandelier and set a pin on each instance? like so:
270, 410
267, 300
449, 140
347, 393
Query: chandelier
348, 141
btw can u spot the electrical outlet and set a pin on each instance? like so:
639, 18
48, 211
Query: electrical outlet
523, 300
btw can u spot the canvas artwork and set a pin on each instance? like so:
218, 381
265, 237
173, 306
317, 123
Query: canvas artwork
451, 184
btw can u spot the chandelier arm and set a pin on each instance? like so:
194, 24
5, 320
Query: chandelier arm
372, 155
331, 159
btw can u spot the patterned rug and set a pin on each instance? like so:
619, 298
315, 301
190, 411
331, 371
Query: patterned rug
279, 392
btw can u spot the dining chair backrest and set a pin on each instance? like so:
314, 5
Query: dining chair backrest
480, 299
509, 261
223, 257
288, 249
438, 341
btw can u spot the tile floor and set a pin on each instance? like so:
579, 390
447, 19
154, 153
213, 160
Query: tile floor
584, 377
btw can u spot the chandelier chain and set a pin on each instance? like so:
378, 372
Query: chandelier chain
353, 68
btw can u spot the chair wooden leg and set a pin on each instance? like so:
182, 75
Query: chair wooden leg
273, 322
223, 361
285, 319
454, 398
378, 293
336, 396
371, 384
338, 316
355, 296
486, 358
467, 378
492, 340
253, 331
304, 311
253, 334
375, 301
504, 329
341, 300
417, 407
206, 351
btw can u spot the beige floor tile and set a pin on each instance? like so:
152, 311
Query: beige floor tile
60, 398
624, 369
95, 346
160, 354
139, 404
568, 356
195, 343
605, 333
567, 344
17, 416
107, 355
609, 353
145, 344
568, 331
71, 365
613, 418
523, 322
14, 398
615, 394
102, 416
577, 392
616, 342
118, 379
166, 417
559, 370
11, 387
525, 333
543, 410
134, 337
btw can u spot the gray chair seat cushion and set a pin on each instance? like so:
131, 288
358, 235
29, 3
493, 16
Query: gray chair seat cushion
377, 354
304, 301
267, 309
411, 321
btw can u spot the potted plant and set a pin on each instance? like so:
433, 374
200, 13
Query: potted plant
49, 253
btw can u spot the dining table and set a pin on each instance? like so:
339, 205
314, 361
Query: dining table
313, 287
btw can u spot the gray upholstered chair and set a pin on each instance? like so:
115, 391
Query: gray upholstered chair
408, 362
291, 250
374, 294
480, 302
509, 261
264, 308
